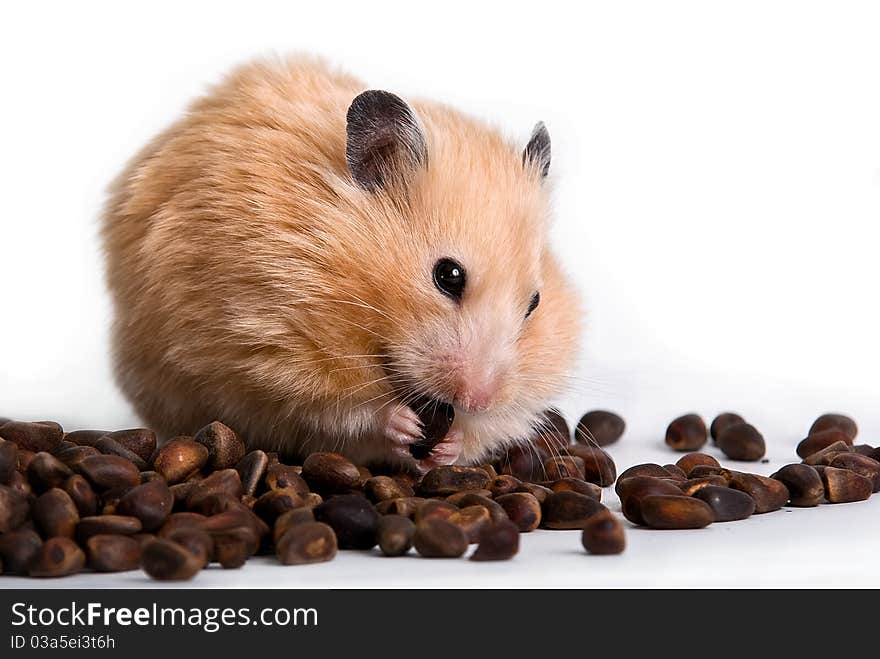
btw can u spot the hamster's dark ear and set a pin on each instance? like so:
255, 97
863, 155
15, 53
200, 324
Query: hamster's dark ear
537, 151
384, 140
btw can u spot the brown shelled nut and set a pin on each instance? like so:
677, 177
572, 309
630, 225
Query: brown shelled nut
662, 511
165, 560
471, 520
45, 471
523, 509
330, 472
827, 454
197, 541
599, 467
567, 466
742, 441
395, 534
443, 481
179, 458
17, 550
504, 484
861, 464
352, 518
838, 421
635, 488
769, 494
675, 472
439, 538
599, 427
251, 469
406, 506
845, 486
603, 534
141, 441
106, 472
691, 460
646, 469
55, 514
803, 483
109, 446
721, 422
34, 437
499, 541
821, 439
382, 488
572, 485
686, 433
14, 509
106, 524
693, 485
434, 508
225, 447
309, 542
113, 553
726, 503
57, 557
150, 502
568, 510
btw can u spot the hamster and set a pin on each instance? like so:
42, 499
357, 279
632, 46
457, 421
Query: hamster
303, 258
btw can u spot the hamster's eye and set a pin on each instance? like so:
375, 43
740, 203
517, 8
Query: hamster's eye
449, 278
536, 299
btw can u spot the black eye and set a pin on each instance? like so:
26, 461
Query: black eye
449, 277
536, 299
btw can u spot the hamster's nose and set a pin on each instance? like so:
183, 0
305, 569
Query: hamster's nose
476, 394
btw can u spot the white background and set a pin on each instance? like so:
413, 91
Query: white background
717, 175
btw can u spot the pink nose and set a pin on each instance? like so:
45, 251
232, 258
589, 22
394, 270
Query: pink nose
476, 396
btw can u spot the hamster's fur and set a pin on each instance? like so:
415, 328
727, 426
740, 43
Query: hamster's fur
270, 259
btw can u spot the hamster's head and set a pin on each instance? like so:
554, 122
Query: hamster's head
462, 296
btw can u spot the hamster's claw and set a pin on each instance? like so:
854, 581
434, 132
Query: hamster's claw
402, 428
446, 452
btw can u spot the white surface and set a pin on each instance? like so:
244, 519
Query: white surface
717, 172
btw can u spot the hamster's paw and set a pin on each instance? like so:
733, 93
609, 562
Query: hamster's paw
445, 452
402, 428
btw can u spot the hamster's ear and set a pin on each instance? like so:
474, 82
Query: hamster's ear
537, 151
384, 140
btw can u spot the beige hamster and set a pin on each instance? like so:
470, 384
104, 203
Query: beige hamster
303, 260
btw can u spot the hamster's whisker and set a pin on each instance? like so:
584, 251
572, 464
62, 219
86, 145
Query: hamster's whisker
334, 357
536, 431
359, 387
366, 329
534, 450
592, 384
384, 338
591, 437
400, 404
360, 304
405, 401
386, 341
563, 387
385, 404
367, 402
347, 368
364, 305
353, 368
367, 305
408, 398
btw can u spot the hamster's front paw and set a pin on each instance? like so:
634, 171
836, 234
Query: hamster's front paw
445, 452
402, 428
